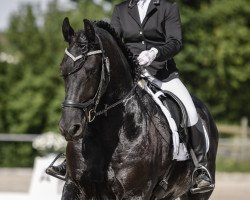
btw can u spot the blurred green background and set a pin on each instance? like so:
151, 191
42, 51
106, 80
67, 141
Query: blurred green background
214, 64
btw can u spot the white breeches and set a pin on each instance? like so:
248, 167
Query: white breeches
177, 88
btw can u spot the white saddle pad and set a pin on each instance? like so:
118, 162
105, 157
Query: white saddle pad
180, 152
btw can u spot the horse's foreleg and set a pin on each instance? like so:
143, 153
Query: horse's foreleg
72, 192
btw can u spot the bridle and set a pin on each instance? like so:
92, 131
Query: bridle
89, 106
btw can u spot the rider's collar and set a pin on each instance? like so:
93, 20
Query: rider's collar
132, 3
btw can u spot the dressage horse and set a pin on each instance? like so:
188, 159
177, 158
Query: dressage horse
113, 127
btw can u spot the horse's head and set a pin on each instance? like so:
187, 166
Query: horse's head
84, 77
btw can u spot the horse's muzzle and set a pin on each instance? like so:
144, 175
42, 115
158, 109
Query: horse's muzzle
72, 131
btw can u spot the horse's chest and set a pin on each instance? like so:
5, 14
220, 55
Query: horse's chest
131, 170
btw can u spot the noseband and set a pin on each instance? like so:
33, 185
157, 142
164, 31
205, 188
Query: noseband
104, 81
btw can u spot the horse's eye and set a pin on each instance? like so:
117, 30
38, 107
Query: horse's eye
84, 48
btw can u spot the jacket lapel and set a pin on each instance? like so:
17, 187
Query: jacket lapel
133, 11
152, 8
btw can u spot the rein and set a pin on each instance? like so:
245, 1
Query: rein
104, 81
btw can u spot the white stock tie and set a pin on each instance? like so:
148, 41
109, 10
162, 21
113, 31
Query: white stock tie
142, 8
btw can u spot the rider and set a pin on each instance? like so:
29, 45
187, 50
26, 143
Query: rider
151, 29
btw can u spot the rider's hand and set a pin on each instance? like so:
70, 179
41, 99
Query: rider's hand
147, 57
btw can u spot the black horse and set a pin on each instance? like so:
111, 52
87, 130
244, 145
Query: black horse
114, 129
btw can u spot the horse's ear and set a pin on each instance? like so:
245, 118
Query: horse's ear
89, 30
67, 30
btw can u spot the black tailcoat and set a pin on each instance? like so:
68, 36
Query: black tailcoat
161, 28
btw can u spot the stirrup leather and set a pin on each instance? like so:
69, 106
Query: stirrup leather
51, 173
195, 190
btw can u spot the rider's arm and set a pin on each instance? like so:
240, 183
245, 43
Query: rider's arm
115, 21
173, 34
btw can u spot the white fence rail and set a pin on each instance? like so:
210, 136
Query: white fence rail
236, 147
241, 130
7, 137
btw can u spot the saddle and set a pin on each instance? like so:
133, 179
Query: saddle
177, 111
176, 115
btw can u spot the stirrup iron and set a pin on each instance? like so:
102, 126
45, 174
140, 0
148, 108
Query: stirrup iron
49, 172
195, 190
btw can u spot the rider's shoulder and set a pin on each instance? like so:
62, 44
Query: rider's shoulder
123, 3
170, 2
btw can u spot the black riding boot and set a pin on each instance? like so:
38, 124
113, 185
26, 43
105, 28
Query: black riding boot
57, 170
201, 177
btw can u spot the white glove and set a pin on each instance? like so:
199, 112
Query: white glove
147, 57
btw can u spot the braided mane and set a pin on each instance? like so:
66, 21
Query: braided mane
135, 68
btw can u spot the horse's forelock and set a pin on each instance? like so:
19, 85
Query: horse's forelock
81, 41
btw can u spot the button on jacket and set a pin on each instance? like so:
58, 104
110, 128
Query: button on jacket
161, 28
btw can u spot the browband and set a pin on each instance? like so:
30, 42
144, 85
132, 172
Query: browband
80, 56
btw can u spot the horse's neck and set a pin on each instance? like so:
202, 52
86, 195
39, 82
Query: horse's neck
121, 80
120, 85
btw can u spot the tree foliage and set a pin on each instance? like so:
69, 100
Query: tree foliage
32, 89
215, 58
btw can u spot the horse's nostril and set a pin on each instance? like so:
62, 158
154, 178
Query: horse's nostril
74, 129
